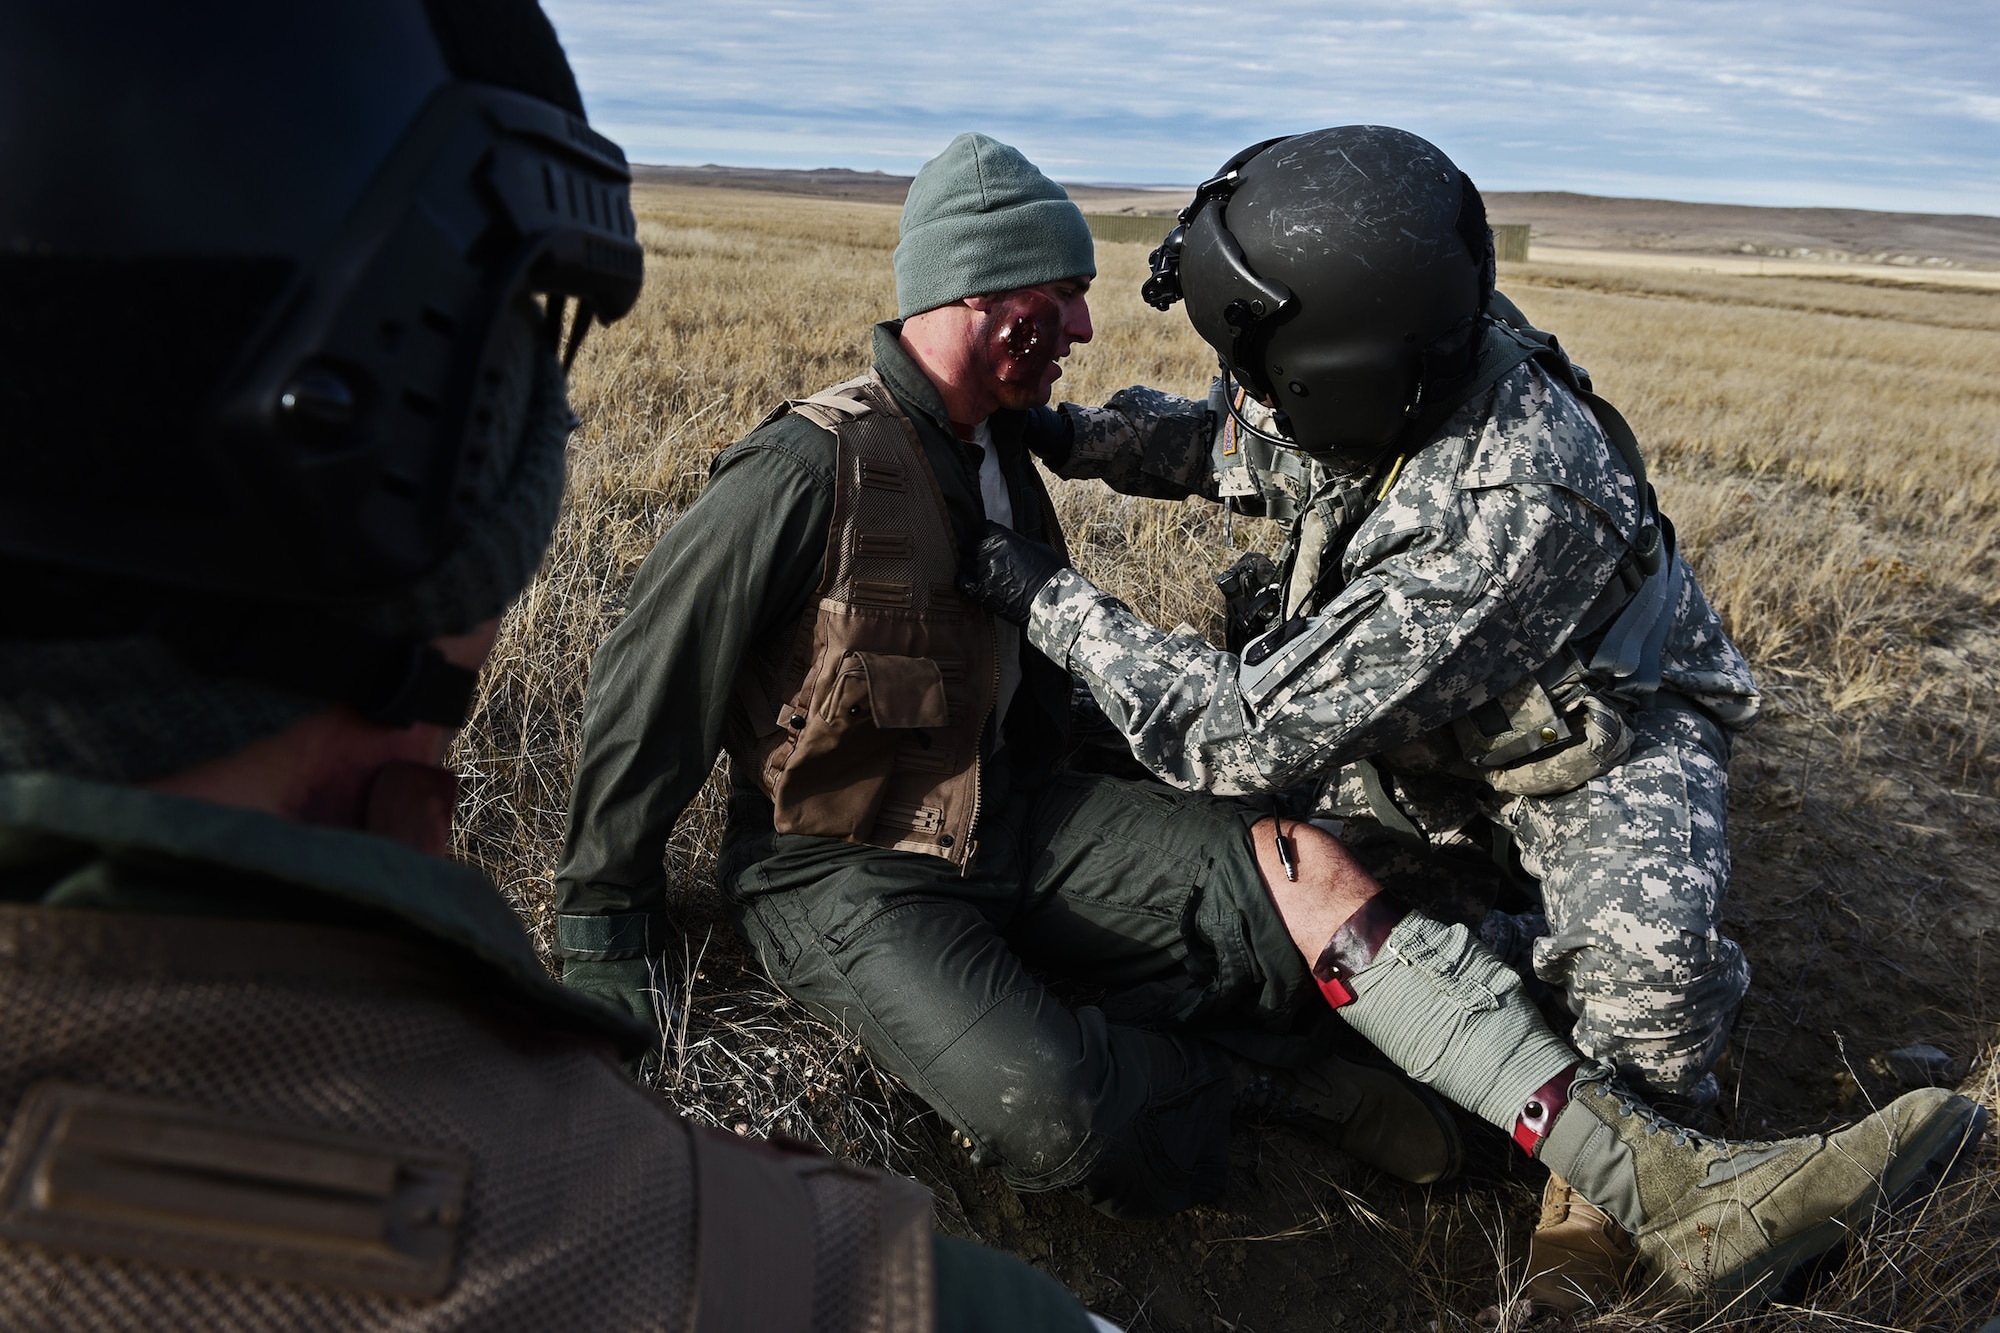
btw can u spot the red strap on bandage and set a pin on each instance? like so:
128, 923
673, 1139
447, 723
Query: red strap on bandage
1538, 1115
1334, 985
1354, 947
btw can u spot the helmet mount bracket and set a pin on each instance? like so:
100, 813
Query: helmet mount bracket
1255, 304
1163, 287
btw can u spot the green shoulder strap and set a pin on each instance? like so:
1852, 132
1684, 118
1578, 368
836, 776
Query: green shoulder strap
1553, 358
1636, 609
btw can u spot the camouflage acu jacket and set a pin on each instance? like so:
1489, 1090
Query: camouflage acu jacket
1487, 547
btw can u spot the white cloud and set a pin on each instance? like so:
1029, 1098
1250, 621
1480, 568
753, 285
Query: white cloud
1842, 102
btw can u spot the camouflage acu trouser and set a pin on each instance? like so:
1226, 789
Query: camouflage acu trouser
1633, 868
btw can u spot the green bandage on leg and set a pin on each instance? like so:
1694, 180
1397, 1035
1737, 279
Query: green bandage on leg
1450, 1014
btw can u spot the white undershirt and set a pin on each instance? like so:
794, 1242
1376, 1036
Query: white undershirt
999, 508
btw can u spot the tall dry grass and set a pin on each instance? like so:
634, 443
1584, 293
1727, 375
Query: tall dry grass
1828, 450
1831, 454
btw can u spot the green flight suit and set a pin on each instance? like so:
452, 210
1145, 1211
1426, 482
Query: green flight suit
1150, 895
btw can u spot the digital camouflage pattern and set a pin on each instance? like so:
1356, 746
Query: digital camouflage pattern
1486, 549
1633, 868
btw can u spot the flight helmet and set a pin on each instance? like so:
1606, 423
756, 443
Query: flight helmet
265, 270
1340, 276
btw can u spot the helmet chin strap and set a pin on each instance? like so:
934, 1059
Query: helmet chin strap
1230, 382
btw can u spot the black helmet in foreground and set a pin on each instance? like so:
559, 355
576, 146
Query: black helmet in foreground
1340, 275
258, 263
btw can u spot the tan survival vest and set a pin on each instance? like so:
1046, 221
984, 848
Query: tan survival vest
865, 719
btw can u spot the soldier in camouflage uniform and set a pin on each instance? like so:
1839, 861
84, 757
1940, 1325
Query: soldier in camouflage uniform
1479, 622
1418, 598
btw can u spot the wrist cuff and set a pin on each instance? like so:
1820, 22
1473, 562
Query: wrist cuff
1056, 615
607, 938
1054, 436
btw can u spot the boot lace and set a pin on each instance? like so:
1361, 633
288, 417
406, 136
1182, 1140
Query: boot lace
1629, 1105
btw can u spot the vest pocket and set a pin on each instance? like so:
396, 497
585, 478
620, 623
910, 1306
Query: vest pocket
833, 782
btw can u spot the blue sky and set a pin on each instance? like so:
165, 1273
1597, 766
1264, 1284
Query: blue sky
1828, 103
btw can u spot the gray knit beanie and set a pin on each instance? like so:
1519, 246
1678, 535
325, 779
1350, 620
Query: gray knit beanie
127, 709
981, 218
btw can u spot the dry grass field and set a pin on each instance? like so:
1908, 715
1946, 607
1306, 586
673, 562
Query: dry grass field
1831, 453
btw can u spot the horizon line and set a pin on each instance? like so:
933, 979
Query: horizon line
1156, 187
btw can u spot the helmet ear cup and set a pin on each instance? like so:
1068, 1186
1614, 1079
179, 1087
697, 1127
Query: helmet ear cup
368, 501
1344, 398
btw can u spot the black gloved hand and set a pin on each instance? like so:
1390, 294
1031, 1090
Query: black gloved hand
623, 983
1007, 570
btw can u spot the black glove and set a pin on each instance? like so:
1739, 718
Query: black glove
622, 983
1050, 435
1007, 570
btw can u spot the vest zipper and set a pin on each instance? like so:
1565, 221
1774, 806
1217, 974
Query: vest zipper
979, 760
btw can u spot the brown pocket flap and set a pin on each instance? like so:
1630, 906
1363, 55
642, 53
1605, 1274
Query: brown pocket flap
905, 691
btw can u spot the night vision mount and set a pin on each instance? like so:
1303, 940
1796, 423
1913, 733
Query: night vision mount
1250, 306
1163, 288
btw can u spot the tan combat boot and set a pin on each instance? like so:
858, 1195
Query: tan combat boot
1376, 1116
1729, 1220
1579, 1257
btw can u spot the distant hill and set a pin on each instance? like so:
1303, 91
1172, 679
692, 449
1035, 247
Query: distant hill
881, 188
874, 187
1559, 218
1590, 222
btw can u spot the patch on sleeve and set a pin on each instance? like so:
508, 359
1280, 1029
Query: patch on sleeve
1274, 659
1537, 432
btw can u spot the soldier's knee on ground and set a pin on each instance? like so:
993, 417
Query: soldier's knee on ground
1661, 1015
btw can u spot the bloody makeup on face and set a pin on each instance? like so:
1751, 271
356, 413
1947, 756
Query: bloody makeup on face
1027, 332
